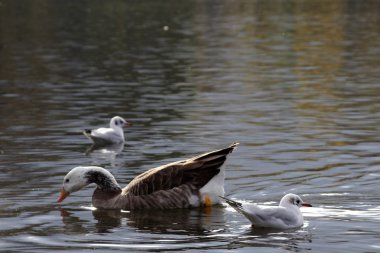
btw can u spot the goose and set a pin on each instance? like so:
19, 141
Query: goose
284, 216
113, 134
194, 182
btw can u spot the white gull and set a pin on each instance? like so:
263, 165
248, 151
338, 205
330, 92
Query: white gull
284, 216
113, 134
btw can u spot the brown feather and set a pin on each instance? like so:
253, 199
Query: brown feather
167, 186
197, 170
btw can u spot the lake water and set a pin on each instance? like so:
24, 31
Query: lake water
297, 83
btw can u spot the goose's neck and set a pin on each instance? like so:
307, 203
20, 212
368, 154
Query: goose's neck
105, 181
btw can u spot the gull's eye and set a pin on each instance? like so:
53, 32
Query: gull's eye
67, 180
298, 201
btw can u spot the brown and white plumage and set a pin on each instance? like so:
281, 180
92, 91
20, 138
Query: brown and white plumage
194, 182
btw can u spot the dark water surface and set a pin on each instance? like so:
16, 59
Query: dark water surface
297, 83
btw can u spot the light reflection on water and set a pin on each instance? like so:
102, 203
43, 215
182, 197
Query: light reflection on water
296, 83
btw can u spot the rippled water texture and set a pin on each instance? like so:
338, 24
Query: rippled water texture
297, 83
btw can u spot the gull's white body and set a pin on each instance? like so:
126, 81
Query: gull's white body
113, 134
284, 216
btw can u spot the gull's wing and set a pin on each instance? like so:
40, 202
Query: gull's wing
102, 136
100, 132
271, 216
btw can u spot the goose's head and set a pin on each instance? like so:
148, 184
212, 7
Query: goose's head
79, 177
118, 122
292, 200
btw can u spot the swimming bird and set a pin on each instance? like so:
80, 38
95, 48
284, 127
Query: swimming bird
284, 216
193, 182
113, 134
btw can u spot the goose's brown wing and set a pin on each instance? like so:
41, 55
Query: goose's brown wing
194, 172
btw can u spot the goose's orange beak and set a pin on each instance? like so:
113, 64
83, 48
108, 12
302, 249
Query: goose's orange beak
306, 204
63, 194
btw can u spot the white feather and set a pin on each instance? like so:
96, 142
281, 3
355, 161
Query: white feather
214, 188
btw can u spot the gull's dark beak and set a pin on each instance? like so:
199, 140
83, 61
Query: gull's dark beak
306, 204
128, 124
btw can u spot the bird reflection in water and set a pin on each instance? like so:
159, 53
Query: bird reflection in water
105, 152
72, 223
293, 240
196, 221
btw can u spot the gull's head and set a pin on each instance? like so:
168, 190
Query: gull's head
291, 200
119, 122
